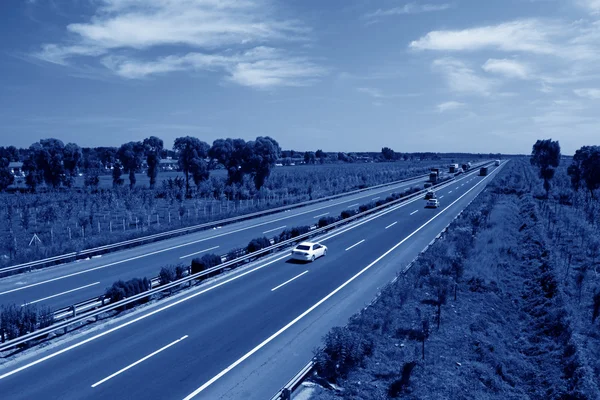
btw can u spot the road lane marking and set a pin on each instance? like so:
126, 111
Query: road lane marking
353, 205
388, 189
450, 192
198, 252
354, 245
312, 308
320, 215
142, 317
390, 225
375, 198
60, 294
139, 361
286, 282
414, 212
274, 229
442, 196
168, 306
458, 187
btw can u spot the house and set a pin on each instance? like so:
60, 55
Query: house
16, 168
168, 164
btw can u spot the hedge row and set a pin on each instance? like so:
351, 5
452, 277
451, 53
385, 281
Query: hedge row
123, 289
16, 321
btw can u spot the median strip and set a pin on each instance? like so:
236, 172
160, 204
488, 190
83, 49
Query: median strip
288, 281
139, 361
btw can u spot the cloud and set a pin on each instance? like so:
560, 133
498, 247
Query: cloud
122, 33
508, 68
260, 67
449, 106
461, 78
371, 92
590, 93
410, 8
378, 94
593, 6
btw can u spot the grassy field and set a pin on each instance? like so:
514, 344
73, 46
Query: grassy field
490, 311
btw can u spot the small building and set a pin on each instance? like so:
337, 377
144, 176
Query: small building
168, 164
16, 168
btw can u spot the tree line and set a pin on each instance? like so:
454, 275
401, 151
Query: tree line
52, 162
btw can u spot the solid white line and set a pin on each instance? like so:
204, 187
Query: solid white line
286, 282
320, 215
274, 229
60, 294
353, 205
375, 198
138, 361
199, 252
390, 225
324, 299
414, 212
354, 245
116, 328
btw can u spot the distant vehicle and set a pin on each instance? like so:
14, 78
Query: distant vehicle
453, 168
308, 251
497, 163
430, 195
483, 171
466, 167
432, 203
433, 177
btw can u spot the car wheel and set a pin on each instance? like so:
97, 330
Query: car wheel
312, 259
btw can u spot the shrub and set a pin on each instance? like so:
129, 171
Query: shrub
45, 317
398, 386
123, 289
324, 221
293, 232
347, 214
179, 271
16, 321
343, 351
206, 262
258, 244
235, 253
167, 274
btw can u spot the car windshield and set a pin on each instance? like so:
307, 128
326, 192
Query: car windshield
303, 247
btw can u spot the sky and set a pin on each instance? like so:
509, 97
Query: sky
338, 75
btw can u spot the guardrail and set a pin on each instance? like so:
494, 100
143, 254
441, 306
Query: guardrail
186, 230
103, 308
286, 392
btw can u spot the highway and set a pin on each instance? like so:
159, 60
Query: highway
63, 285
245, 334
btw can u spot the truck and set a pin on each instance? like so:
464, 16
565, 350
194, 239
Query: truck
434, 175
483, 171
453, 168
466, 166
497, 163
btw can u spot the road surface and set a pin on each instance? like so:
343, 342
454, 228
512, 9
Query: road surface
246, 334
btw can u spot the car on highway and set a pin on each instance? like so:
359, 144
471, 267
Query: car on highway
432, 203
308, 251
430, 195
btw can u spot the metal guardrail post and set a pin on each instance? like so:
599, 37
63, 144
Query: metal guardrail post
74, 310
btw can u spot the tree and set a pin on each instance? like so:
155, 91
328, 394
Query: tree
309, 157
46, 162
545, 154
388, 154
153, 147
72, 156
6, 178
586, 168
321, 155
261, 156
131, 156
231, 153
116, 174
191, 153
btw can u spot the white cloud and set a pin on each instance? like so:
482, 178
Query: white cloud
449, 106
593, 6
508, 68
461, 78
122, 32
410, 8
590, 93
371, 92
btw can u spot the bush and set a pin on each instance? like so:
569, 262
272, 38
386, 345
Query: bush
343, 351
167, 274
16, 321
206, 262
399, 386
293, 232
235, 253
124, 289
324, 221
347, 214
258, 244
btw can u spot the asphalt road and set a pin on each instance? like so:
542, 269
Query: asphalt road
67, 284
246, 334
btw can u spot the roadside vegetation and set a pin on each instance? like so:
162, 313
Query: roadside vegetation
504, 305
73, 198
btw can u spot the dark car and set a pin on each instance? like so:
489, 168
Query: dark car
430, 195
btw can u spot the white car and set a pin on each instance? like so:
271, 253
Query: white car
308, 251
432, 203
